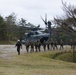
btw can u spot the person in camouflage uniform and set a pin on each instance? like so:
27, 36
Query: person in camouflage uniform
52, 45
36, 46
48, 44
61, 44
55, 45
39, 45
27, 46
32, 46
44, 45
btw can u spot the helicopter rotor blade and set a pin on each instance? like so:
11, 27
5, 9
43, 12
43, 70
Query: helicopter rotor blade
46, 18
44, 21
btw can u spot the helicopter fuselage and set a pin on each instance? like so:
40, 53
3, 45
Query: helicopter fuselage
34, 36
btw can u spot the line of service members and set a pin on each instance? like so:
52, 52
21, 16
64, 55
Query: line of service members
46, 45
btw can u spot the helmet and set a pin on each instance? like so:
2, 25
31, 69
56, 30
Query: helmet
18, 40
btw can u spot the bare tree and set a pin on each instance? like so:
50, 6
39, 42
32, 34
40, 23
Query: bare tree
68, 21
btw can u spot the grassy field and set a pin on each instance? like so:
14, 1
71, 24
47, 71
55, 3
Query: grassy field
40, 63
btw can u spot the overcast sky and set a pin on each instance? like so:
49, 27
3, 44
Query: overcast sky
31, 10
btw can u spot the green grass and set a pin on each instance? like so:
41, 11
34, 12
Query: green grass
40, 63
7, 42
66, 57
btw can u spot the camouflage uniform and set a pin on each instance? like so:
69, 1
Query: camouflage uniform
55, 45
52, 45
39, 45
27, 46
48, 45
32, 47
61, 44
36, 46
44, 45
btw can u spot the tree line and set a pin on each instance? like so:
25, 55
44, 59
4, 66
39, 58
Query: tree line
11, 29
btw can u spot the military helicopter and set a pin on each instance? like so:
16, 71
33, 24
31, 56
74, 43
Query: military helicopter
37, 34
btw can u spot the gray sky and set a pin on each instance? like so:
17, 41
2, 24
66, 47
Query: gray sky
31, 10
